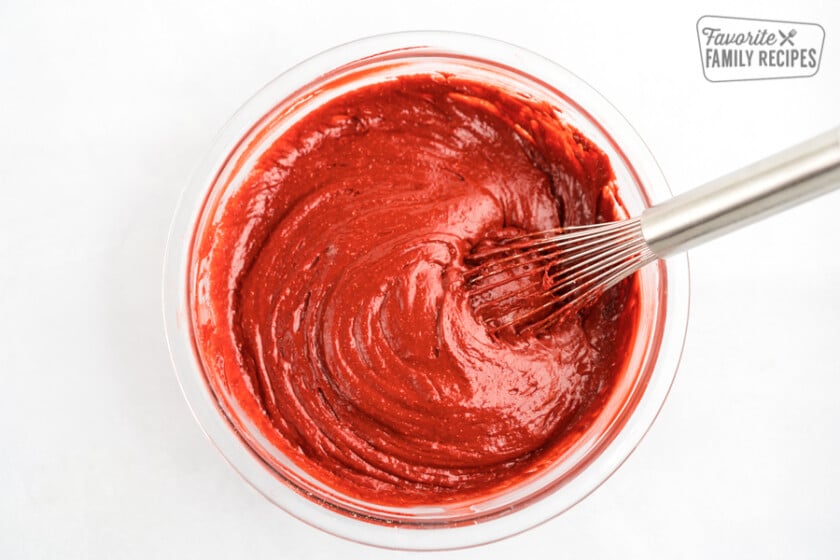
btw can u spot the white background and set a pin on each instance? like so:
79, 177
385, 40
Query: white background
106, 107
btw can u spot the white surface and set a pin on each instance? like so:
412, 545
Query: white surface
104, 111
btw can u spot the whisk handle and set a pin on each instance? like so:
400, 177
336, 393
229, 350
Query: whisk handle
759, 190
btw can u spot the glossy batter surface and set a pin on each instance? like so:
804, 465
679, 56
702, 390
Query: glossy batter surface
328, 299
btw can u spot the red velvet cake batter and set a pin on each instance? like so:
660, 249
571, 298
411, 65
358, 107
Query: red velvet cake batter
328, 297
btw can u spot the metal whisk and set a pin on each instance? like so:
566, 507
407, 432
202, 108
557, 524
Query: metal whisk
528, 282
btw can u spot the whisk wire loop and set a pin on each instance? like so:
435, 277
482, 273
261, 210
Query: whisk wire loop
529, 281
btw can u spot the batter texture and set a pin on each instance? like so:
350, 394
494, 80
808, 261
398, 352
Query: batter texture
328, 298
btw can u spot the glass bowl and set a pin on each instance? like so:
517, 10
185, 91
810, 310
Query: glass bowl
581, 469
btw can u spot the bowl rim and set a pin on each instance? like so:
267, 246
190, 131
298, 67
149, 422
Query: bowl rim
212, 419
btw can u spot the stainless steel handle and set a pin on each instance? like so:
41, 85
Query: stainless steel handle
759, 190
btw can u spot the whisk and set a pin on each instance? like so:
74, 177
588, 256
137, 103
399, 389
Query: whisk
529, 281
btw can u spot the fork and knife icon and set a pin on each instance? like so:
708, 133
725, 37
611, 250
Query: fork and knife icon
787, 38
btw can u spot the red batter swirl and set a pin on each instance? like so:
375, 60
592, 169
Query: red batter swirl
328, 299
